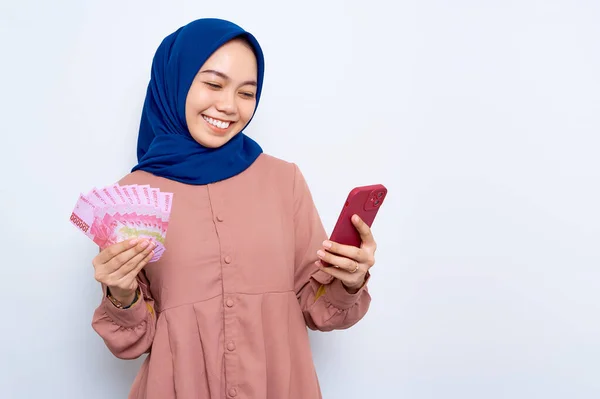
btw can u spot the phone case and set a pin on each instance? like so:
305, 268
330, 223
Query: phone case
363, 201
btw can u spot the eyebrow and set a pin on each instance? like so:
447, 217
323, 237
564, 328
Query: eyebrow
222, 75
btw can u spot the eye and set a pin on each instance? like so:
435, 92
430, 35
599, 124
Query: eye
213, 85
247, 94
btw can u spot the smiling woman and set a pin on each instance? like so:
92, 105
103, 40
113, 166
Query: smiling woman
224, 312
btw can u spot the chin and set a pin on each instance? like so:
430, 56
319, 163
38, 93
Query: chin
212, 141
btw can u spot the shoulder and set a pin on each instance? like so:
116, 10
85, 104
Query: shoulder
275, 170
137, 177
280, 173
141, 178
270, 162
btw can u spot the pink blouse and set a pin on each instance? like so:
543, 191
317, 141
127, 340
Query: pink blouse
224, 312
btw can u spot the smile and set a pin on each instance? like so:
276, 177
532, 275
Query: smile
216, 122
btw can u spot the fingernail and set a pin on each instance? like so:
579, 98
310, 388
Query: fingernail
327, 244
133, 242
355, 218
320, 253
145, 244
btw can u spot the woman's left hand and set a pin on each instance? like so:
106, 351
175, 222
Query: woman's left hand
350, 264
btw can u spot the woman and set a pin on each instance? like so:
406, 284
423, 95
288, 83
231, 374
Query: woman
224, 312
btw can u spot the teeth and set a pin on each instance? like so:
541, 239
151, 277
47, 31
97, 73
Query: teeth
219, 124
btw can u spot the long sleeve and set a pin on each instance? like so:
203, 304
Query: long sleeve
128, 333
325, 303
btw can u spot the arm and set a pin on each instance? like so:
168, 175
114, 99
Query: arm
128, 333
326, 304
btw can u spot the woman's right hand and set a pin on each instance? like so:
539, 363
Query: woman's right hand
118, 265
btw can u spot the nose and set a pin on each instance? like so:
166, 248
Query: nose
226, 103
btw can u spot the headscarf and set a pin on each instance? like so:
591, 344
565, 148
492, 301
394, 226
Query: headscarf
165, 146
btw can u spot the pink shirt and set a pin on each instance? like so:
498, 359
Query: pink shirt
224, 312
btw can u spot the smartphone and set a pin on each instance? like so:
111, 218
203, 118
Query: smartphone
363, 201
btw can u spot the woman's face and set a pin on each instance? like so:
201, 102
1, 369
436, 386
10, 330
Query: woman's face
222, 97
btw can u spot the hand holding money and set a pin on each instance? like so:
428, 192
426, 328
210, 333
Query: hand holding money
129, 224
118, 265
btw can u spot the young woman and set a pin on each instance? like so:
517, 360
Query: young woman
224, 312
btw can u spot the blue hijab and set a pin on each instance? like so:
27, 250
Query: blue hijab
165, 147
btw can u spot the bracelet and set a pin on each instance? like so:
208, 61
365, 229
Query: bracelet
118, 303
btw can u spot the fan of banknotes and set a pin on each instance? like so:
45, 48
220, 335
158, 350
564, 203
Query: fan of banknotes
116, 213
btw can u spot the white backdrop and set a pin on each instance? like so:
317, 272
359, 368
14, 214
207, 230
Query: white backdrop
481, 117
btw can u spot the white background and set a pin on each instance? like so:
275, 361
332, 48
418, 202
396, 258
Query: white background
481, 117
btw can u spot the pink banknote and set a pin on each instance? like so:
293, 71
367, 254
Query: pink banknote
116, 213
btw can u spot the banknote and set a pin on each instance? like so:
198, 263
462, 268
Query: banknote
115, 213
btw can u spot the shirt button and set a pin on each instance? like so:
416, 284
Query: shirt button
233, 392
228, 259
231, 347
229, 303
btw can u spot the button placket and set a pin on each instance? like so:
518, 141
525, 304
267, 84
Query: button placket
230, 320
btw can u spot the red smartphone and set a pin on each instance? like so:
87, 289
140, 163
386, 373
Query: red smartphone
363, 201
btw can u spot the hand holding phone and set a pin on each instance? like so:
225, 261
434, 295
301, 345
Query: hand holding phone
346, 256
